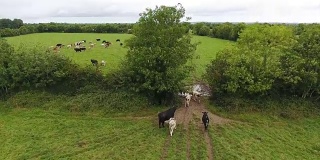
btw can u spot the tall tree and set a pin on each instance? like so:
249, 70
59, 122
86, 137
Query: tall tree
156, 63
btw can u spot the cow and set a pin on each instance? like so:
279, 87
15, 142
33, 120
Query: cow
118, 40
94, 62
166, 115
205, 120
121, 44
77, 49
107, 44
103, 63
104, 41
172, 125
196, 96
98, 39
59, 45
84, 41
188, 98
83, 48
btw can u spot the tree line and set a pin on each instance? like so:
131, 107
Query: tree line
269, 60
16, 27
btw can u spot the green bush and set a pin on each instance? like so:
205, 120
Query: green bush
34, 68
267, 60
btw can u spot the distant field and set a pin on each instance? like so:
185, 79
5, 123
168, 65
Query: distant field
206, 50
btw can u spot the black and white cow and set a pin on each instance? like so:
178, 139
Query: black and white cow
205, 120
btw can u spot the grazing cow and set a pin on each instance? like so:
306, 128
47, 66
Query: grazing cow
98, 39
188, 98
104, 41
77, 49
59, 45
69, 46
205, 120
84, 41
94, 62
166, 115
118, 40
107, 44
121, 44
172, 125
196, 96
103, 63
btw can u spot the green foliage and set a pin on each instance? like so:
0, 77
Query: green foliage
204, 31
308, 51
26, 68
15, 29
228, 31
158, 52
7, 32
252, 66
197, 27
12, 24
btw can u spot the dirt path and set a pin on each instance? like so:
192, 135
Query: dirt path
184, 115
164, 151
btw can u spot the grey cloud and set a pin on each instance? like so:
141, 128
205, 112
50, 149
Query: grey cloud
213, 12
128, 10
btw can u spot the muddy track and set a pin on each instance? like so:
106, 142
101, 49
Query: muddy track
184, 115
164, 151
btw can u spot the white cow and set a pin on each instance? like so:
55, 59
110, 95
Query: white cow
103, 63
196, 96
172, 125
188, 98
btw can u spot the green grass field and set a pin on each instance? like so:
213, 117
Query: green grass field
46, 131
268, 139
206, 50
39, 134
50, 134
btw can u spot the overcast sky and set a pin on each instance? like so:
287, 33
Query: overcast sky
122, 11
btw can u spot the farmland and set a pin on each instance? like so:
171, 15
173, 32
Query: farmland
206, 51
45, 129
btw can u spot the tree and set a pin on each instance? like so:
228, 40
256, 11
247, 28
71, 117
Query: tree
5, 23
158, 53
254, 63
17, 23
308, 50
23, 30
204, 30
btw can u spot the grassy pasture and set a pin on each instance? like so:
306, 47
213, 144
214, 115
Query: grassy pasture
48, 132
38, 134
268, 139
206, 50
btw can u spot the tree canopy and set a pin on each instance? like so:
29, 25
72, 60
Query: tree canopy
158, 53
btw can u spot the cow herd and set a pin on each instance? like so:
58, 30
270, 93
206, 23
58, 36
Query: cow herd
167, 116
80, 46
